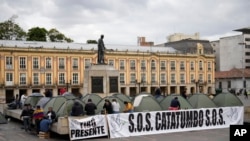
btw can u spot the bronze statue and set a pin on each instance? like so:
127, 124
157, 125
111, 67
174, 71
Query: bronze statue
101, 49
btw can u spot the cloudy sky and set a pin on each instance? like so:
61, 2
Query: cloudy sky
122, 21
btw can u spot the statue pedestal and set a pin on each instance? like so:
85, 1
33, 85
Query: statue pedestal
101, 79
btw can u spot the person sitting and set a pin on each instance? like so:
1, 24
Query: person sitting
45, 124
129, 108
90, 108
175, 104
51, 115
77, 109
38, 116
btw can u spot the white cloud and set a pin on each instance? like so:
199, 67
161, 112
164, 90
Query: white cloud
122, 21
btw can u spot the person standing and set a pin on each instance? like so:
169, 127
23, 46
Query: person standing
23, 98
77, 109
115, 106
90, 108
175, 104
245, 94
26, 117
108, 107
129, 108
101, 49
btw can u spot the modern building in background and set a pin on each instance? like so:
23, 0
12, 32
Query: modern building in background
27, 67
233, 61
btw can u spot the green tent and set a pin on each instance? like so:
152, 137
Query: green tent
122, 97
227, 100
201, 101
101, 103
66, 108
145, 102
33, 99
57, 102
159, 98
165, 103
94, 97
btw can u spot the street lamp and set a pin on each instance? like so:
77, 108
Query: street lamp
139, 84
197, 85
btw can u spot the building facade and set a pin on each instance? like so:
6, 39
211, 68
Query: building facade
28, 67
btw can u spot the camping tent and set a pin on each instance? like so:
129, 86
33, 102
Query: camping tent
57, 102
165, 103
33, 99
201, 101
122, 97
101, 103
159, 98
66, 107
95, 98
42, 102
145, 102
227, 99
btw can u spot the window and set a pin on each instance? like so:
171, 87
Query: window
22, 79
228, 84
173, 78
209, 66
182, 65
61, 63
172, 65
209, 76
192, 78
61, 78
143, 77
122, 64
247, 39
75, 79
192, 66
201, 78
153, 78
9, 79
9, 62
35, 63
153, 65
111, 62
22, 63
132, 64
163, 78
75, 63
200, 65
122, 78
36, 78
48, 78
48, 63
87, 63
182, 78
143, 64
163, 65
132, 78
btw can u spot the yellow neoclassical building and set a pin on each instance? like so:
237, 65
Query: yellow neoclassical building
28, 67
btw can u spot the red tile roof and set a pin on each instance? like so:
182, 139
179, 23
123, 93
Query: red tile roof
233, 73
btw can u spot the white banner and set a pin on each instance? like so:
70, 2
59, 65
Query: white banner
145, 123
87, 127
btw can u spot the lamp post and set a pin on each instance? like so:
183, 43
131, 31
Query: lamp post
197, 85
68, 84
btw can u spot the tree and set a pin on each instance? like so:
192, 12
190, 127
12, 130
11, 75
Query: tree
56, 36
91, 42
11, 31
37, 34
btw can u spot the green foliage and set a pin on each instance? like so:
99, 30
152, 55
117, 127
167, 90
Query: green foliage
11, 31
56, 36
37, 34
91, 42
